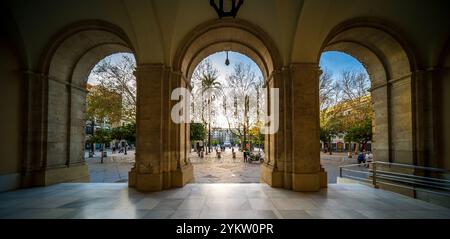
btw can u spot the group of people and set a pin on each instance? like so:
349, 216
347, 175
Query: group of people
364, 157
122, 147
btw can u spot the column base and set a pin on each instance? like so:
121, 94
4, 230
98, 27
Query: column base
183, 176
151, 182
147, 182
304, 182
75, 173
271, 176
309, 182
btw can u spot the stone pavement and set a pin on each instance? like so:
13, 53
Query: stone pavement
114, 169
211, 169
209, 201
331, 163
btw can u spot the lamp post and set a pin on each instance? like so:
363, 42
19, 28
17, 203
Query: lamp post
92, 150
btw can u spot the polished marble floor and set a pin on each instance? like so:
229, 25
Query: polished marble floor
116, 200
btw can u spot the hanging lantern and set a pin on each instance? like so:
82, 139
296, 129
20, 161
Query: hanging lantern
229, 9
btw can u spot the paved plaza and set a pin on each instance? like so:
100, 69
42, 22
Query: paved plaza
116, 200
209, 169
114, 169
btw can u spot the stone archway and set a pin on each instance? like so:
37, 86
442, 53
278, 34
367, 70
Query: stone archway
57, 115
390, 65
163, 146
231, 35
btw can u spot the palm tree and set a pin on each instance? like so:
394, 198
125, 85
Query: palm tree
211, 86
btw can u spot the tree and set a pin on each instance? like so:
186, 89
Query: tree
361, 133
331, 129
197, 132
130, 132
243, 101
344, 104
206, 83
103, 105
125, 132
101, 136
356, 95
255, 133
327, 89
117, 76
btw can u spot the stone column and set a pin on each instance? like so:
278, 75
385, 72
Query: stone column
147, 172
401, 120
181, 167
294, 151
307, 173
277, 168
33, 165
426, 97
380, 124
158, 163
269, 169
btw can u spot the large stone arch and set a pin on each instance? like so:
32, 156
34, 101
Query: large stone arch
232, 35
227, 34
60, 115
169, 166
391, 66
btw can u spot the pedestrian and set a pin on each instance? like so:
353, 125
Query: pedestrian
362, 157
369, 158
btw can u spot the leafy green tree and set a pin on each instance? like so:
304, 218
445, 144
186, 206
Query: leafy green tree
103, 104
361, 133
101, 136
332, 128
255, 134
206, 76
197, 132
117, 76
130, 132
125, 132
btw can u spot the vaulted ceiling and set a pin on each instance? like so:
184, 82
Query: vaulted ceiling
297, 27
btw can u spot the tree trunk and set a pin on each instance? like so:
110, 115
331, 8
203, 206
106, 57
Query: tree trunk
363, 145
330, 147
102, 150
209, 137
356, 148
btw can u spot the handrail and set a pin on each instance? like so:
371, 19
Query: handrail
414, 166
404, 180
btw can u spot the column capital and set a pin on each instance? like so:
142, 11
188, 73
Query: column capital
303, 66
150, 67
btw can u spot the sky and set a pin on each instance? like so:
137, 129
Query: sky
333, 61
218, 61
114, 58
336, 62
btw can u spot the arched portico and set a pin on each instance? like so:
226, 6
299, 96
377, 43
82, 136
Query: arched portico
57, 111
390, 66
162, 154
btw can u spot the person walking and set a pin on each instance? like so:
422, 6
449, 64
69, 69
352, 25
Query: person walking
362, 157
